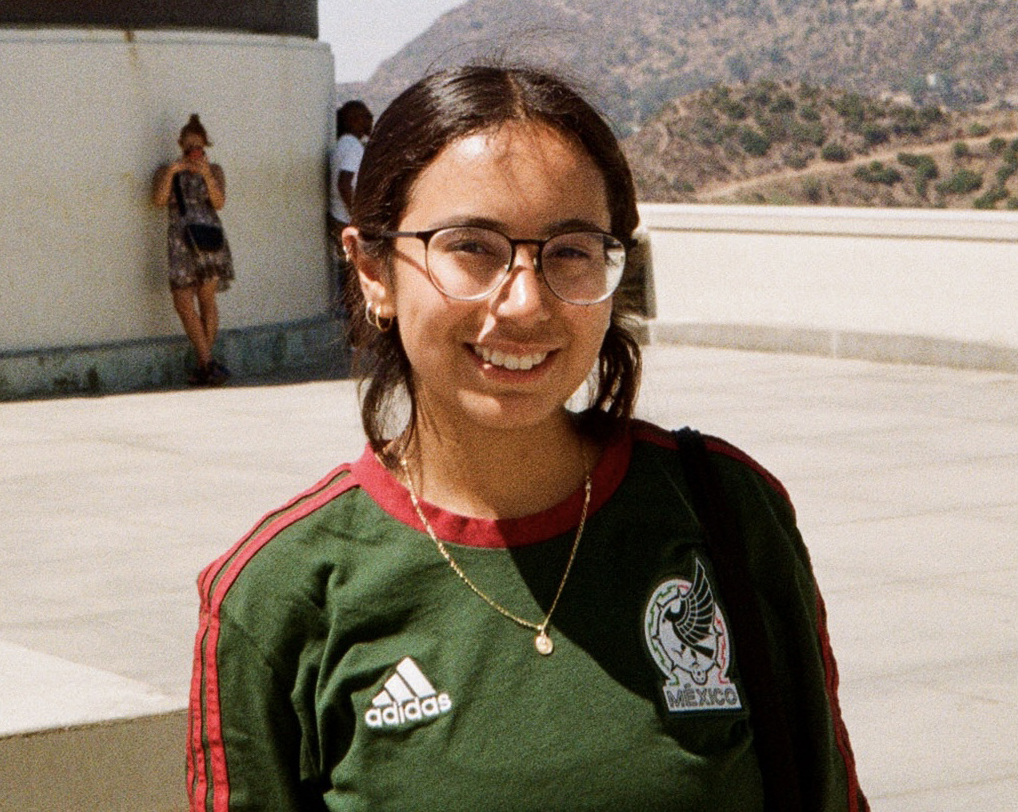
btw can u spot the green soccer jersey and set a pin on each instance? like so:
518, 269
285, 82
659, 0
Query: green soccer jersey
341, 664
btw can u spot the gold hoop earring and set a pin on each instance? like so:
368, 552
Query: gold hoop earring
376, 320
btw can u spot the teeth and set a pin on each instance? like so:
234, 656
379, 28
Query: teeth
503, 359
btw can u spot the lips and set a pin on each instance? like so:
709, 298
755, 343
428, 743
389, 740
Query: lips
509, 361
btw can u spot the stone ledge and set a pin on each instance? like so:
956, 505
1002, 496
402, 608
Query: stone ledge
309, 348
900, 349
130, 765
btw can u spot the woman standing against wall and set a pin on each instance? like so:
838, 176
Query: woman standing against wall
200, 263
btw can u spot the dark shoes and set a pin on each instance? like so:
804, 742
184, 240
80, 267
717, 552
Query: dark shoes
212, 374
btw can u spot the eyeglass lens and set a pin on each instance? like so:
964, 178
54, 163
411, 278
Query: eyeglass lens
581, 267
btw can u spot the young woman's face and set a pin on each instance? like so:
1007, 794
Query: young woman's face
512, 359
193, 146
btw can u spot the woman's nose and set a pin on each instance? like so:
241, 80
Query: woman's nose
523, 293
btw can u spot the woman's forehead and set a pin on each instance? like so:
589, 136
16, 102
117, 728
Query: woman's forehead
522, 161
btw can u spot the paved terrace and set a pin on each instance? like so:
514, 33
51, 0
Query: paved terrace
904, 478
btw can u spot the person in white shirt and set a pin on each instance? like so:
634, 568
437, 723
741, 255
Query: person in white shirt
353, 125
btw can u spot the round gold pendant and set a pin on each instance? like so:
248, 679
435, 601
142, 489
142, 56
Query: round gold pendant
543, 644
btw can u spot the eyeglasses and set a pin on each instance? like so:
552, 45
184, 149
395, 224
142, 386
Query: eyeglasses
469, 262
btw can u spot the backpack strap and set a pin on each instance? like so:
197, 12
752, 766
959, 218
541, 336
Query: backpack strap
771, 734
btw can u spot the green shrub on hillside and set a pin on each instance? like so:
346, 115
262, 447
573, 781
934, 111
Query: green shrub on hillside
774, 128
978, 130
1005, 172
707, 130
876, 172
783, 103
735, 110
852, 108
835, 152
753, 141
960, 150
812, 189
796, 156
915, 121
925, 169
809, 112
907, 121
990, 199
875, 134
924, 166
961, 182
807, 132
997, 145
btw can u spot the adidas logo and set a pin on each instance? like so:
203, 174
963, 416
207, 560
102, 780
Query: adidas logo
408, 696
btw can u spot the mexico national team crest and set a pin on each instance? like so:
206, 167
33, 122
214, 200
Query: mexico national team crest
688, 639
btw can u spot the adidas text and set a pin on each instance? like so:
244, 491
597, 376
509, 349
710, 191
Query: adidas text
413, 710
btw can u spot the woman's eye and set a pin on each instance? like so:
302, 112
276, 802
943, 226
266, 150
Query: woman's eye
570, 252
469, 248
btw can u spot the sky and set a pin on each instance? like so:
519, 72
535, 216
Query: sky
363, 33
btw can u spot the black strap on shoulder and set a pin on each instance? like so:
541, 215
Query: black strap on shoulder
179, 193
771, 734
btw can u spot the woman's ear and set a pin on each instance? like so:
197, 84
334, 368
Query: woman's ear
372, 272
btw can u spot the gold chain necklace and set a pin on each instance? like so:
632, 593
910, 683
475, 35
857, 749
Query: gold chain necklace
542, 642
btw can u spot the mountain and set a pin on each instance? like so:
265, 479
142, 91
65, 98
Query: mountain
793, 143
633, 57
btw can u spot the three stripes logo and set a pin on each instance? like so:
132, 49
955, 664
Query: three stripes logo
407, 696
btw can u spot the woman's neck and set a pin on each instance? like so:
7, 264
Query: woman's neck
500, 475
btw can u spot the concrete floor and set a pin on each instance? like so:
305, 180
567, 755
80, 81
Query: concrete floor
905, 480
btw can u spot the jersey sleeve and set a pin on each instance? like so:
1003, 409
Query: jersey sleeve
248, 748
794, 614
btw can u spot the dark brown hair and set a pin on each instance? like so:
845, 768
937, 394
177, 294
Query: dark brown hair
195, 127
423, 120
343, 114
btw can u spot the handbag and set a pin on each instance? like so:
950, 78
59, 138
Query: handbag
200, 236
769, 716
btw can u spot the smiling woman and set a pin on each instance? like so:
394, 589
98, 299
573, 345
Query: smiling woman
505, 604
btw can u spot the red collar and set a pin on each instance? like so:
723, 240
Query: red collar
394, 499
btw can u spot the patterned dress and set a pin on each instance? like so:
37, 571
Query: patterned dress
187, 266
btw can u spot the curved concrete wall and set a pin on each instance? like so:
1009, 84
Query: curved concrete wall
293, 17
918, 286
91, 115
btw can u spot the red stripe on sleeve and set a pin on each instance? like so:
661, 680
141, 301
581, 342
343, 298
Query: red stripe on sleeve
856, 800
214, 583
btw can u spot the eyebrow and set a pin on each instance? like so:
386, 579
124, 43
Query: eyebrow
558, 227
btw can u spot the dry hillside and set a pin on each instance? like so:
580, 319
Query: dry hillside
634, 57
771, 142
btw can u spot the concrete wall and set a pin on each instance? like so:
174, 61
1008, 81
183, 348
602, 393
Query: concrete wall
888, 284
89, 115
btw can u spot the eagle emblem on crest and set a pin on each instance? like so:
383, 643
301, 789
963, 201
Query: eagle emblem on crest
689, 641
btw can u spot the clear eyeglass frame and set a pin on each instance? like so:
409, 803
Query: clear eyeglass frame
614, 261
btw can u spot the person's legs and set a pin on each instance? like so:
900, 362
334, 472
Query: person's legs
194, 327
208, 310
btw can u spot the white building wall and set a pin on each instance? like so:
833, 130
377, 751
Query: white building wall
88, 117
806, 278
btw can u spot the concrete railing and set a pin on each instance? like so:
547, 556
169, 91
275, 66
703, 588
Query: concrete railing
914, 286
